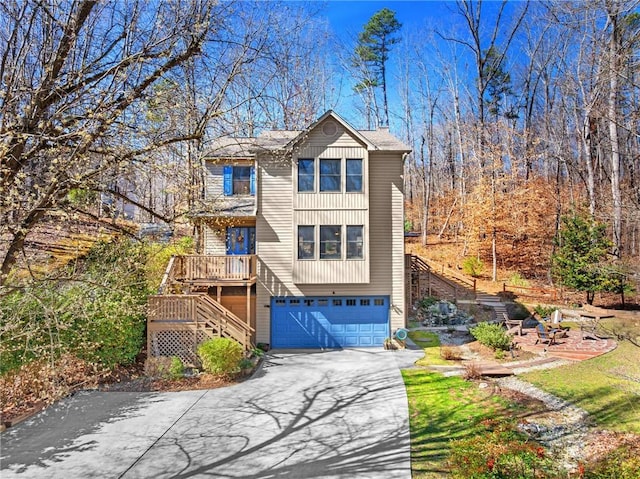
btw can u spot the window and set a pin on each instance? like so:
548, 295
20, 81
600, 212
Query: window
239, 180
337, 302
306, 174
365, 302
330, 175
280, 302
330, 242
378, 302
308, 302
355, 242
306, 242
354, 176
351, 302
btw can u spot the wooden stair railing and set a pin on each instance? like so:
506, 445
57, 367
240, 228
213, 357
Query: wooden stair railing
201, 311
427, 283
227, 323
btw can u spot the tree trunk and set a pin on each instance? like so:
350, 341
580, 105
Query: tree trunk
613, 127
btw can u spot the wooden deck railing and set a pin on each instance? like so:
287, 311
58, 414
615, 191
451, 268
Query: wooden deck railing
550, 292
203, 267
197, 311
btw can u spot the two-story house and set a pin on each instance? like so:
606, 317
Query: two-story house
307, 229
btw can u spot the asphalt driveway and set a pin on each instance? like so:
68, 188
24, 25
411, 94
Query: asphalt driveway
326, 414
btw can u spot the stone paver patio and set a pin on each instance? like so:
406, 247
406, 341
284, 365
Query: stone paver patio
572, 347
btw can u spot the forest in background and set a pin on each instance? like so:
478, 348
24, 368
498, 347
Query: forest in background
517, 112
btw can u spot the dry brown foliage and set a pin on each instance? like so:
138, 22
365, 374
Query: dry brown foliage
450, 353
472, 371
40, 383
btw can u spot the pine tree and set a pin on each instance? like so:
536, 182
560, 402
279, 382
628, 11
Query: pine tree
582, 247
372, 52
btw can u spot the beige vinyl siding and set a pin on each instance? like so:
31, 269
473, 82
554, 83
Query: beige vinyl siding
274, 239
214, 179
214, 241
387, 230
331, 271
316, 137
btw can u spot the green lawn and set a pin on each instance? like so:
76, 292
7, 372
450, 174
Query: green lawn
430, 342
608, 387
441, 409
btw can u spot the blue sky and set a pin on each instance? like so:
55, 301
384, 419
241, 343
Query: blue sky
351, 15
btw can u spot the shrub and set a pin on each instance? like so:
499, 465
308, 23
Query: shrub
544, 311
622, 463
176, 368
220, 355
473, 266
98, 316
450, 353
516, 279
472, 371
492, 335
500, 454
427, 301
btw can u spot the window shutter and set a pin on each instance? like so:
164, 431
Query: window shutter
228, 180
253, 181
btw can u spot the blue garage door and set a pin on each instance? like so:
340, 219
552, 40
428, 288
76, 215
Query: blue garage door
329, 322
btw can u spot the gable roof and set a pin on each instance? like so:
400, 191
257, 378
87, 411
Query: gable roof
374, 140
337, 118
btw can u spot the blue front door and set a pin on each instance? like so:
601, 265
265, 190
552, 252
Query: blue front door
241, 240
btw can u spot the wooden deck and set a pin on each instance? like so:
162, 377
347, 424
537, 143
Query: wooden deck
199, 272
183, 314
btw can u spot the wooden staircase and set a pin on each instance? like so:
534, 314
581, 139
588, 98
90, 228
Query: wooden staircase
429, 278
178, 323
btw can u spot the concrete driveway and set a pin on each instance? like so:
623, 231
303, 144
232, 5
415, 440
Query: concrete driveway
303, 415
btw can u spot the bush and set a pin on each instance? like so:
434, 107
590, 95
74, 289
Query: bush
98, 316
473, 266
500, 454
450, 353
427, 301
492, 335
176, 368
516, 279
544, 311
622, 463
220, 355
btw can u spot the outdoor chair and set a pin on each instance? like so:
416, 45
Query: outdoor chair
513, 325
546, 334
592, 330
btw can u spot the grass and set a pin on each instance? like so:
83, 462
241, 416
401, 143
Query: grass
430, 342
607, 387
442, 409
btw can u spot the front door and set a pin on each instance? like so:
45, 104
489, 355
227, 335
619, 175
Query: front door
241, 240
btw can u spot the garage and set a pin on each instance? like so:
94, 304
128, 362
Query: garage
329, 322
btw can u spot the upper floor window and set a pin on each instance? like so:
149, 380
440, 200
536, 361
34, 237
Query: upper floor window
306, 174
330, 242
355, 242
330, 175
306, 242
354, 176
239, 180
